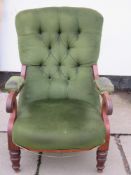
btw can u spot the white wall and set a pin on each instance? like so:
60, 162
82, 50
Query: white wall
115, 55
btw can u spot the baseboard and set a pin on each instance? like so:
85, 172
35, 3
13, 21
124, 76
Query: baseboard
4, 76
121, 83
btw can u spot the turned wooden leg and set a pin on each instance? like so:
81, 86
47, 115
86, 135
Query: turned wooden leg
101, 159
14, 152
103, 149
15, 159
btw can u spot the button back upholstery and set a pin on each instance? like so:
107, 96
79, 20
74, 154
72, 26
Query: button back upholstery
59, 46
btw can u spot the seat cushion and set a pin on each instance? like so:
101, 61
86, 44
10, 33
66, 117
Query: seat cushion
58, 124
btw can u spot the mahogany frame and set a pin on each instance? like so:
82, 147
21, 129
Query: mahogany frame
106, 109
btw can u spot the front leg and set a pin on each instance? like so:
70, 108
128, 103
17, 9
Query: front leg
102, 151
101, 159
14, 150
15, 159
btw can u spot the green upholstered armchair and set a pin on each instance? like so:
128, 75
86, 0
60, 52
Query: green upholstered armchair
59, 108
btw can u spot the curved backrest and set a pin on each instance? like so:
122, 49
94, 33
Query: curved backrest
59, 45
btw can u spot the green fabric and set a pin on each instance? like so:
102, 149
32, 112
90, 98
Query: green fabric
14, 83
59, 46
104, 84
58, 124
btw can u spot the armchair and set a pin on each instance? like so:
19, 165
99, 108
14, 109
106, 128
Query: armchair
59, 107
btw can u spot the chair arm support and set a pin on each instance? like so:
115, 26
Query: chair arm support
15, 83
11, 101
107, 103
104, 87
13, 86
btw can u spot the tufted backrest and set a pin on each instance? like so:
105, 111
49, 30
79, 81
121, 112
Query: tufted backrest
59, 45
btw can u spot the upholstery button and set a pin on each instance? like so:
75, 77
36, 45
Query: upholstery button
59, 64
79, 31
68, 47
78, 64
59, 31
49, 77
49, 47
40, 64
68, 78
40, 31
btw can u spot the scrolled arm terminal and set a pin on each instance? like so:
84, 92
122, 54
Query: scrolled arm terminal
13, 86
104, 87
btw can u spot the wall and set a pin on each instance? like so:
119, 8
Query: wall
115, 55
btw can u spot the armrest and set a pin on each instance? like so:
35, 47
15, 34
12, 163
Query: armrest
11, 102
104, 85
13, 86
15, 83
107, 105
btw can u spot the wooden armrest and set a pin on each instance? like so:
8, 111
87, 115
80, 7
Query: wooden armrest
11, 101
107, 103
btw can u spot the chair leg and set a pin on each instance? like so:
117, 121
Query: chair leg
101, 159
102, 150
14, 152
15, 159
